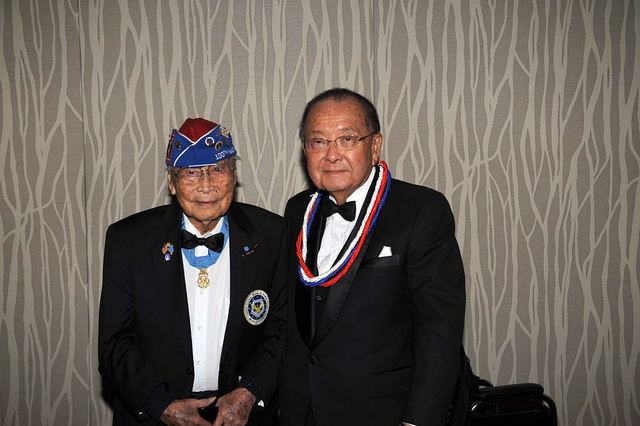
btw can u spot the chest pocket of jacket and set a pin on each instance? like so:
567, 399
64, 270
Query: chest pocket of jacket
381, 262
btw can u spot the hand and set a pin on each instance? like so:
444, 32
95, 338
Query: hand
183, 412
235, 408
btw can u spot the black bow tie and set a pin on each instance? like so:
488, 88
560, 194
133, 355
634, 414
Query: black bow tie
346, 210
212, 242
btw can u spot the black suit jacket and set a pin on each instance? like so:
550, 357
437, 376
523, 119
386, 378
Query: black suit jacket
144, 331
387, 342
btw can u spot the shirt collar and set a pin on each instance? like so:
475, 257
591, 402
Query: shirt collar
191, 227
360, 194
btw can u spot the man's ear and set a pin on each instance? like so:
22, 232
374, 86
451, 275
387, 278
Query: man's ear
172, 187
376, 148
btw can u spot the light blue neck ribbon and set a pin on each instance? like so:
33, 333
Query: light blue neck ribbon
202, 262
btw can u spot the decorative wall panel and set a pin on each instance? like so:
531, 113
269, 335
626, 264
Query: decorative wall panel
524, 113
44, 368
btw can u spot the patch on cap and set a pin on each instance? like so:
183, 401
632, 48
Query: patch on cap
199, 143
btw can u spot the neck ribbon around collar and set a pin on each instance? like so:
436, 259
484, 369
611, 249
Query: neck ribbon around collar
382, 184
202, 262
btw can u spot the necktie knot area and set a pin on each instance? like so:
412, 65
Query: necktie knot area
212, 242
346, 210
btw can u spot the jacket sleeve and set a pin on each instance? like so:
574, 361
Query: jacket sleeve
121, 364
435, 277
261, 368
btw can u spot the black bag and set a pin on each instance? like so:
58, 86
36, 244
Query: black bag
476, 402
466, 392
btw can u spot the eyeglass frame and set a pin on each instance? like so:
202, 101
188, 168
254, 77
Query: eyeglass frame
338, 145
204, 169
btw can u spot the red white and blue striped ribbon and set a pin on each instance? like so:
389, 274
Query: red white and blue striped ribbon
340, 268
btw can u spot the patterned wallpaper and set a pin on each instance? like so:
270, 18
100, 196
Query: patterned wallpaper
524, 113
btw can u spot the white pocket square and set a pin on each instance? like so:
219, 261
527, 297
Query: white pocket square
385, 252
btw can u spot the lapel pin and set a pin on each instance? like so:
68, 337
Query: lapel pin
248, 250
167, 250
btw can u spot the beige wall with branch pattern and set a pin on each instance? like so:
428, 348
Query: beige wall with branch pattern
524, 113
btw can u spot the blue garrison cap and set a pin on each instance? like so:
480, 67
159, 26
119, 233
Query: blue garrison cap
199, 143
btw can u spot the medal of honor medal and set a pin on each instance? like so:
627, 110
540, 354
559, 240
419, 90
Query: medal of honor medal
203, 279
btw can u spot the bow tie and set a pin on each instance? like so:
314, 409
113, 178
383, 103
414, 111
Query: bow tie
346, 210
212, 242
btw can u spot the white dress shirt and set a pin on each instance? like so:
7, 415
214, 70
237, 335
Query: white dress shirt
208, 312
337, 230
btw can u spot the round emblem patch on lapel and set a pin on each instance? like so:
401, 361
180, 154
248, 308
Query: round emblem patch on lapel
256, 307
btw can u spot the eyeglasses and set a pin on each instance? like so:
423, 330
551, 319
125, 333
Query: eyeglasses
343, 143
192, 175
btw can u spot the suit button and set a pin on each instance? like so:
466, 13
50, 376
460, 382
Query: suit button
314, 360
190, 371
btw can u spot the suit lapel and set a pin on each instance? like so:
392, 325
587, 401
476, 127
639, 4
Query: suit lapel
242, 242
305, 303
337, 296
169, 276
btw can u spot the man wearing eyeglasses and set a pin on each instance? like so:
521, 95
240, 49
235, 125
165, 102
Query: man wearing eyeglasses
192, 309
377, 301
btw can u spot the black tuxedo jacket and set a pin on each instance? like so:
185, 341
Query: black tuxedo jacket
144, 330
386, 344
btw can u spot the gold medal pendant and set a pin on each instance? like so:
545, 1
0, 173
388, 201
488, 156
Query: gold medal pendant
203, 279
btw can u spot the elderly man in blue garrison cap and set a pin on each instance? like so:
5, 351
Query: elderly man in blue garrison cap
192, 308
